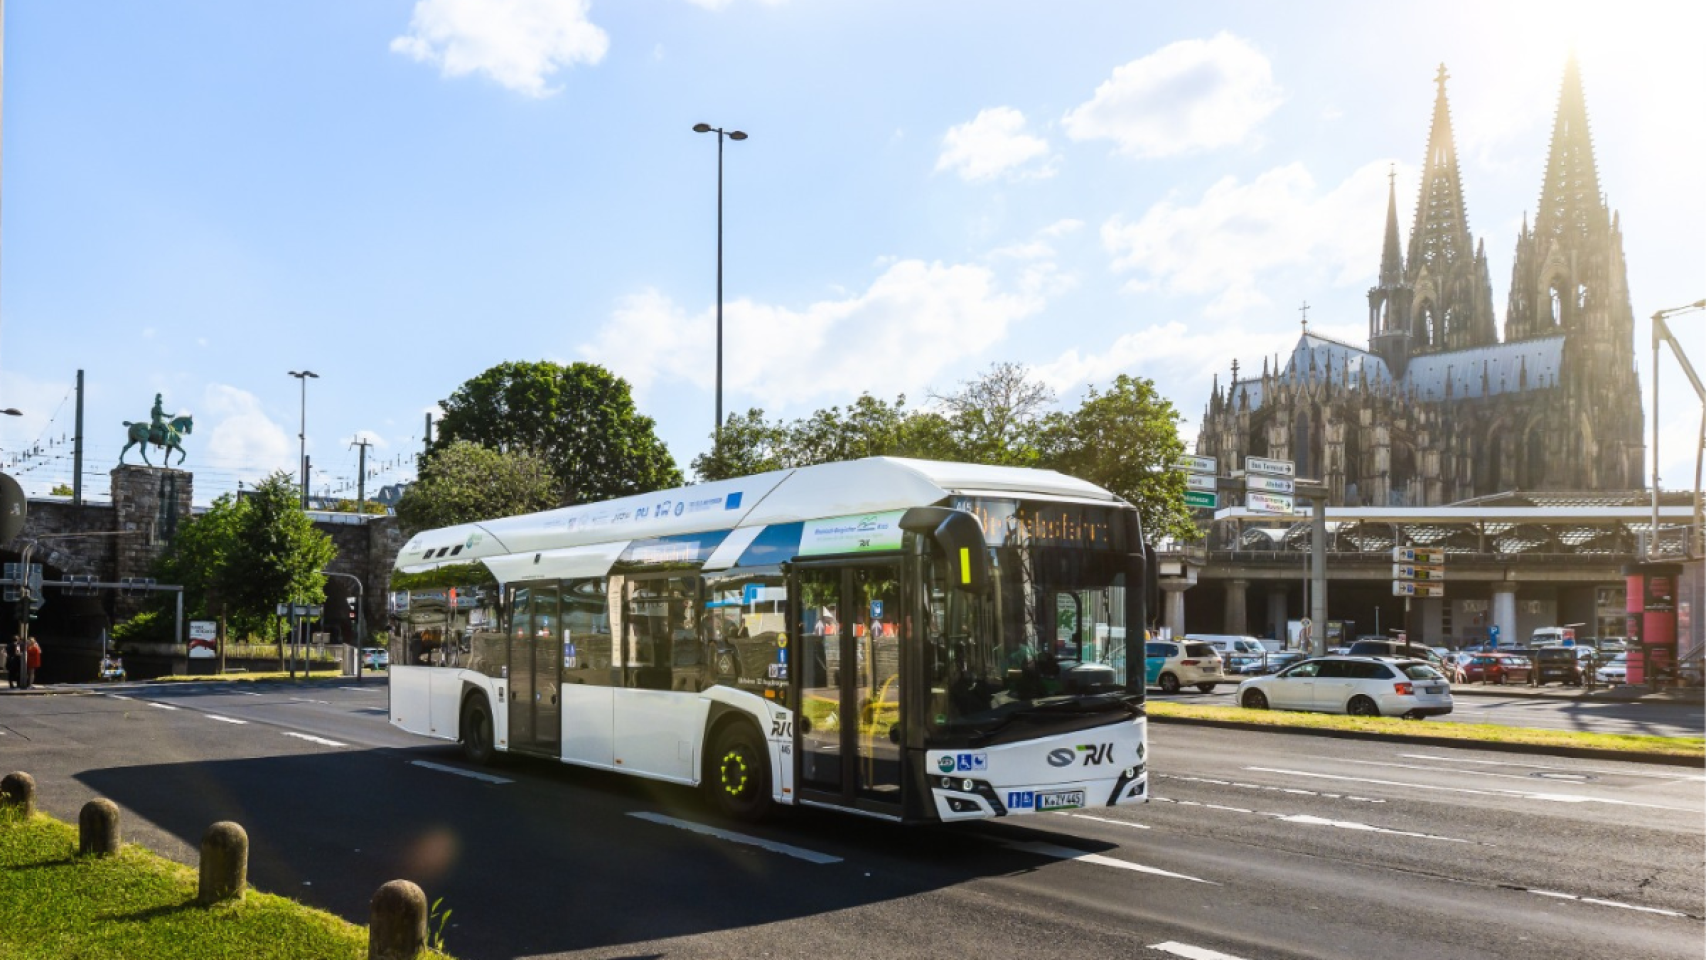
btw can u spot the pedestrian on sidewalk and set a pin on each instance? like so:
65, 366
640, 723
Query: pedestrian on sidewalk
32, 660
14, 661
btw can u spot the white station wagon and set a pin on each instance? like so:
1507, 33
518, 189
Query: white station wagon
1359, 686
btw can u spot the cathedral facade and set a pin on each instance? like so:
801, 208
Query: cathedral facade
1437, 409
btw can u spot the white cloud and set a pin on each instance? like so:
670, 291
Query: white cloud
992, 144
915, 320
243, 439
1232, 240
715, 5
518, 43
1188, 96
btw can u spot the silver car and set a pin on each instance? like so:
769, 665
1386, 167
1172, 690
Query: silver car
1359, 686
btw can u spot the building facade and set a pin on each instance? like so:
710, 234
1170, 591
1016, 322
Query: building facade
1437, 409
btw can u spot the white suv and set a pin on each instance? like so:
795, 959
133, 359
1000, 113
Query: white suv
1171, 664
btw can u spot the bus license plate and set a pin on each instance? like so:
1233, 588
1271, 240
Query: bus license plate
1066, 800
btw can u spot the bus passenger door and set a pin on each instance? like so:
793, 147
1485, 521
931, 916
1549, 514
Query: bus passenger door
520, 670
847, 665
535, 713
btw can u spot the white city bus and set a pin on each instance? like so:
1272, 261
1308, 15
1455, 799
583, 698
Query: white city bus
907, 639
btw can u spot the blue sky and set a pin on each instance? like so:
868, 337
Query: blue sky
199, 196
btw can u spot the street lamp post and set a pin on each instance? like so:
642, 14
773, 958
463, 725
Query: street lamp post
302, 434
717, 436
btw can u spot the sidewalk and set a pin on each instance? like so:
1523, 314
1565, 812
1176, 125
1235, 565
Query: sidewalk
1617, 694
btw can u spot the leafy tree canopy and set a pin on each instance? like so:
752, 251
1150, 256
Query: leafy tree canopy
1125, 439
462, 482
247, 556
579, 419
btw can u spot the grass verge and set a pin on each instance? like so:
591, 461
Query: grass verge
1469, 732
136, 905
328, 674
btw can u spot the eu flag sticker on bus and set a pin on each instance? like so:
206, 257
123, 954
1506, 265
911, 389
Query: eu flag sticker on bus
732, 501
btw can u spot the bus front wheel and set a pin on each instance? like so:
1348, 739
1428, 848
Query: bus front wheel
477, 731
738, 778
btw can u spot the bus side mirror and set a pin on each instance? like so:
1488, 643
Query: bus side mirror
960, 538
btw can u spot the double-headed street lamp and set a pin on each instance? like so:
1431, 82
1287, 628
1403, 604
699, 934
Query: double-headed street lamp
717, 437
302, 434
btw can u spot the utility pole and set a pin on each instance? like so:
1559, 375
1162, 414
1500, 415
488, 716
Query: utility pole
77, 449
426, 437
361, 476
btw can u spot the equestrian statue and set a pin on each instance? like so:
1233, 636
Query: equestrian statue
160, 432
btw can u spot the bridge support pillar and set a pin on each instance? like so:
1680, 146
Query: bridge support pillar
1237, 616
1504, 613
1276, 612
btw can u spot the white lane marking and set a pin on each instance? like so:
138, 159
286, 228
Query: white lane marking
1191, 953
1607, 903
118, 696
1263, 786
1123, 823
1314, 821
312, 739
1067, 853
471, 774
787, 850
215, 716
1682, 777
163, 706
1417, 766
1350, 825
306, 700
1521, 794
246, 693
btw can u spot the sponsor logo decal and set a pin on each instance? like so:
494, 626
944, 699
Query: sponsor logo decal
945, 764
1095, 754
1061, 758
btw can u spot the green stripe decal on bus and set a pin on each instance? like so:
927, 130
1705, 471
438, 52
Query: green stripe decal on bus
965, 564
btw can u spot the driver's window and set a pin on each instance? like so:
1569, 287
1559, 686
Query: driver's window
1302, 671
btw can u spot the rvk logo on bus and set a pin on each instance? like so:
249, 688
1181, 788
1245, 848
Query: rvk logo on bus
968, 762
1021, 799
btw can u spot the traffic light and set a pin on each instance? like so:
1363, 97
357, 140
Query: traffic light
353, 608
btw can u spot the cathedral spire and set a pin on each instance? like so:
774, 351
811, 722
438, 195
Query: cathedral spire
1391, 257
1570, 201
1440, 235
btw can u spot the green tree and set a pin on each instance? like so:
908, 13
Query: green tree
61, 490
1125, 440
750, 444
197, 555
276, 556
997, 418
463, 482
579, 419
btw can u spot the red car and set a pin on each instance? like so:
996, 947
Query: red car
1493, 668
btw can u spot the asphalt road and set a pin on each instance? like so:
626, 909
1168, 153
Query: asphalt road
1663, 719
1257, 846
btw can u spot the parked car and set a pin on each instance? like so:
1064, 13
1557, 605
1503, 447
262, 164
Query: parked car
1171, 664
1493, 668
1556, 663
1272, 663
1397, 648
1360, 686
1615, 670
375, 658
112, 668
1235, 651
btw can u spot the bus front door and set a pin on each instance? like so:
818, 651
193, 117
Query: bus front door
535, 714
847, 676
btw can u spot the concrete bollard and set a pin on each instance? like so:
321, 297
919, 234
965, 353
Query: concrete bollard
97, 828
397, 928
224, 863
18, 791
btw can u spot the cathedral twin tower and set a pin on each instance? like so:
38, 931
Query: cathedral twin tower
1438, 410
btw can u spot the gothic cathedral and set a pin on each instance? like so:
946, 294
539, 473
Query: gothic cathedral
1437, 410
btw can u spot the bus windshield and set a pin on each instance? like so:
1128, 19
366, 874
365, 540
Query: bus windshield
1042, 651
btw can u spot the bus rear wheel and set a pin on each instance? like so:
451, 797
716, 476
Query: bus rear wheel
477, 731
737, 780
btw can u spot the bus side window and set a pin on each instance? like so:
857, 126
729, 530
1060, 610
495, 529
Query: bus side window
586, 640
747, 635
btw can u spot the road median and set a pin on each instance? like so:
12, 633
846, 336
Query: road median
1640, 748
